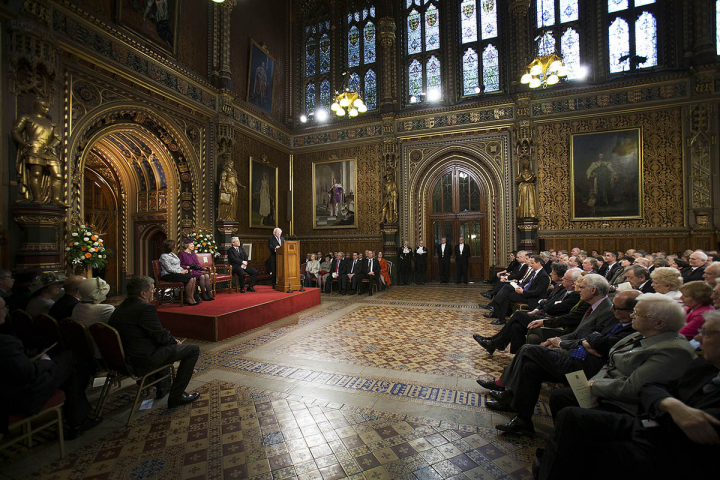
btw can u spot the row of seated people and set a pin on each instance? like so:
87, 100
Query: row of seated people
348, 270
30, 381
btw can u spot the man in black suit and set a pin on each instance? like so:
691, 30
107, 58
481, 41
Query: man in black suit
676, 437
697, 262
149, 346
405, 255
239, 261
520, 272
420, 263
27, 385
444, 253
64, 306
353, 267
530, 291
275, 242
462, 257
611, 266
371, 270
337, 270
639, 278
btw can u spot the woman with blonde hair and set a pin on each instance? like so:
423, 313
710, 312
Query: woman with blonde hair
697, 297
667, 281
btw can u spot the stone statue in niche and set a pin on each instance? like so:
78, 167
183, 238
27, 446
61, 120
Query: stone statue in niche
228, 189
527, 199
39, 169
390, 192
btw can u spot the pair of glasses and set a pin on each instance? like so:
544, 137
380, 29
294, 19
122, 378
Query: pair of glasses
636, 314
707, 333
618, 309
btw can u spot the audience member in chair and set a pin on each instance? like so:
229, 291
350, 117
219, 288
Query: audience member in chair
711, 273
93, 292
171, 271
189, 261
676, 436
518, 272
535, 364
27, 385
697, 266
45, 288
697, 299
149, 346
21, 292
560, 301
384, 271
63, 308
529, 292
639, 278
238, 259
371, 271
353, 267
6, 282
312, 268
667, 281
337, 271
324, 274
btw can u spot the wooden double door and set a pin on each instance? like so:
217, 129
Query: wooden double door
458, 208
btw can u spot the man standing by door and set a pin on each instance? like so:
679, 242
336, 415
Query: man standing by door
420, 263
462, 257
405, 255
444, 252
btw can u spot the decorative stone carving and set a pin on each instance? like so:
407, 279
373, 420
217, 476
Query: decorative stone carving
527, 198
390, 197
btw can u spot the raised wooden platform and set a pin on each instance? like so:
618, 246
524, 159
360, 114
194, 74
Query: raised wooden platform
234, 313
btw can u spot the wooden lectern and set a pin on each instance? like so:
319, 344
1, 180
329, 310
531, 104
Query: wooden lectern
287, 263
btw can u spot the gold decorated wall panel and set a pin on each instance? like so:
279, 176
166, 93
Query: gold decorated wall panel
662, 170
192, 36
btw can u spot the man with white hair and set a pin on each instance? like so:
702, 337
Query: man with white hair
275, 242
238, 258
711, 273
697, 266
676, 437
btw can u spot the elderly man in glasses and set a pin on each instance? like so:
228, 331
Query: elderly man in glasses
677, 435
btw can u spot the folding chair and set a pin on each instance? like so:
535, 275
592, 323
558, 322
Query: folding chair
48, 332
53, 405
24, 327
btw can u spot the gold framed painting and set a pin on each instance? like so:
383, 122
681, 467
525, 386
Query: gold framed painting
334, 186
263, 193
606, 175
155, 21
261, 77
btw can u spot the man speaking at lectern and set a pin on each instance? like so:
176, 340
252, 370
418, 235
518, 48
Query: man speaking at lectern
275, 242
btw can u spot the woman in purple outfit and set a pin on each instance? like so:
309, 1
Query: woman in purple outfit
189, 260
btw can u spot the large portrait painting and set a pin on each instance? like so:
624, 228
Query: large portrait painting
606, 175
260, 77
153, 20
263, 193
334, 186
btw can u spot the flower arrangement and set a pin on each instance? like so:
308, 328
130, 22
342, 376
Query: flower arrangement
204, 242
85, 247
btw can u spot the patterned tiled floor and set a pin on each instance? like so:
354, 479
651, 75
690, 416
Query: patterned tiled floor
264, 413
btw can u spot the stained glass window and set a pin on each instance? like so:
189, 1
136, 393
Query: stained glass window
310, 98
433, 74
414, 33
546, 44
325, 94
310, 57
488, 14
370, 90
646, 39
545, 13
619, 43
568, 11
416, 80
570, 51
491, 70
432, 28
324, 53
617, 5
468, 21
353, 47
369, 43
470, 72
354, 82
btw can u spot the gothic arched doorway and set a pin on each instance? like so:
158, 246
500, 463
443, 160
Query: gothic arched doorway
101, 211
457, 207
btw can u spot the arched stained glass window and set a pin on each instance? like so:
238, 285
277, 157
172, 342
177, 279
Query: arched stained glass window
570, 51
325, 53
546, 44
414, 33
432, 28
568, 11
362, 52
546, 13
479, 16
433, 75
470, 72
310, 98
632, 35
317, 63
310, 57
491, 70
558, 31
423, 43
468, 21
370, 90
416, 78
325, 94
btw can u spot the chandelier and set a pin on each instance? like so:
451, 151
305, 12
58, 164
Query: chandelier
350, 102
545, 70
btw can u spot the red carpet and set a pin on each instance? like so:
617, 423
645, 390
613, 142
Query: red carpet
234, 313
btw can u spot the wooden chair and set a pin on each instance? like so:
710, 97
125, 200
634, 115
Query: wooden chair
77, 338
24, 327
390, 266
48, 332
373, 285
207, 262
108, 342
161, 285
53, 405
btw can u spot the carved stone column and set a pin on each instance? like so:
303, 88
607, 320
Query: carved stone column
388, 84
520, 56
390, 230
224, 73
701, 151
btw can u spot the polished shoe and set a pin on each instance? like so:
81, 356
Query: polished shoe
490, 315
251, 289
242, 290
480, 338
487, 306
207, 297
493, 404
499, 321
487, 295
184, 400
490, 385
488, 345
502, 396
517, 425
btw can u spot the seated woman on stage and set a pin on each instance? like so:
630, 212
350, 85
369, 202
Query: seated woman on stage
324, 273
190, 262
384, 271
312, 268
171, 271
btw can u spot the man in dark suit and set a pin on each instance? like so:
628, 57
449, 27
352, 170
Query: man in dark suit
275, 242
371, 270
337, 270
353, 267
462, 258
639, 278
444, 253
405, 255
530, 291
6, 282
239, 261
420, 263
148, 345
697, 266
27, 385
676, 437
64, 306
518, 273
611, 267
